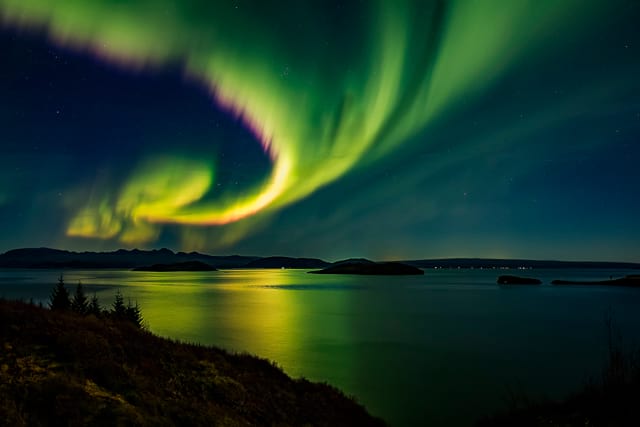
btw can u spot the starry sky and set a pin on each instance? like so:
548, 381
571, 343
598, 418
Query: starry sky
389, 130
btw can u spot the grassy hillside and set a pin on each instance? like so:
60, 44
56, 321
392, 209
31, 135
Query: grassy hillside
57, 368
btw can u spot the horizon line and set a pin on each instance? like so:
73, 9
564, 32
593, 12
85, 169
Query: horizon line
412, 259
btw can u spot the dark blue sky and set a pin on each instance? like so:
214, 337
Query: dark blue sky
541, 163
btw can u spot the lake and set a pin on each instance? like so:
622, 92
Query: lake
439, 349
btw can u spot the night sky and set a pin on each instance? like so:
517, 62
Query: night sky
389, 130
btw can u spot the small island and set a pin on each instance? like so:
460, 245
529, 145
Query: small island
178, 266
371, 268
631, 280
515, 280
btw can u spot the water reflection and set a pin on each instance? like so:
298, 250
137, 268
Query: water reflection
412, 349
283, 315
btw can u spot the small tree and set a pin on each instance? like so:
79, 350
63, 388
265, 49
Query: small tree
118, 310
59, 299
94, 306
134, 315
79, 304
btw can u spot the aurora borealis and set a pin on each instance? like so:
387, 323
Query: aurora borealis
380, 129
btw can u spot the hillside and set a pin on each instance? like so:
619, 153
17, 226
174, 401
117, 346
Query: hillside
57, 367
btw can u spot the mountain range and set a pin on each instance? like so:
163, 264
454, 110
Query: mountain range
122, 258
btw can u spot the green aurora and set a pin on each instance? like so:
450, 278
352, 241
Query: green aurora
322, 99
493, 128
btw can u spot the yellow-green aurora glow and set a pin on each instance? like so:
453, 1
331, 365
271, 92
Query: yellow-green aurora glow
319, 109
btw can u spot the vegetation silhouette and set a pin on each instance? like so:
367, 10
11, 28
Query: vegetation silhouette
80, 305
133, 314
60, 367
94, 306
59, 299
118, 309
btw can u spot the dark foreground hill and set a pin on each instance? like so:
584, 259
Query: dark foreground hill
61, 369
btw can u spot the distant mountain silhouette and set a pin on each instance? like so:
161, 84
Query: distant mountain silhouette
122, 258
354, 261
178, 266
287, 262
371, 268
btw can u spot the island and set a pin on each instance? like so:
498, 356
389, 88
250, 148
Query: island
515, 280
57, 367
371, 268
631, 280
178, 266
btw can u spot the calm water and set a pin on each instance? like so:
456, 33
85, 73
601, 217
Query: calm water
441, 349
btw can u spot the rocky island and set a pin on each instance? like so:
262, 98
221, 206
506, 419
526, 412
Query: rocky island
371, 268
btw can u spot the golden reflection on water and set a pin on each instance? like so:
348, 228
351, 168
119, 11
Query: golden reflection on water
309, 325
281, 315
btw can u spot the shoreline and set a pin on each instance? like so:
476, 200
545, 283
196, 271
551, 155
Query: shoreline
85, 369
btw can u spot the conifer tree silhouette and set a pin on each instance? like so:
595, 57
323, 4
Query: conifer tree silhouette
119, 310
79, 304
134, 315
94, 306
59, 299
